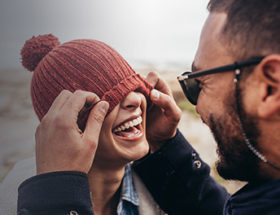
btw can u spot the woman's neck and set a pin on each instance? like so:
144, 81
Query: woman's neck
105, 188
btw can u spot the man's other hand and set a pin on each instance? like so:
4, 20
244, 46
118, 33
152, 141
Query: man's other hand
164, 116
60, 144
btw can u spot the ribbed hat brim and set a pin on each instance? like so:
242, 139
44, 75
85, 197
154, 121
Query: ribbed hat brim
117, 94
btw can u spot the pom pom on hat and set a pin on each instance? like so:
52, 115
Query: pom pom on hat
36, 48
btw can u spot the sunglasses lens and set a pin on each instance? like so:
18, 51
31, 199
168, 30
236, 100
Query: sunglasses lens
191, 89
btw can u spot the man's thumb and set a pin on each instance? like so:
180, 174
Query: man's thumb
95, 120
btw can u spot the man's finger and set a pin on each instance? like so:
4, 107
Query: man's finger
78, 100
165, 102
60, 100
152, 78
163, 87
95, 121
158, 83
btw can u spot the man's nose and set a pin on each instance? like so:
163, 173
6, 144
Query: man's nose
131, 101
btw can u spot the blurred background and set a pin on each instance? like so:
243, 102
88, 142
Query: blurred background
159, 35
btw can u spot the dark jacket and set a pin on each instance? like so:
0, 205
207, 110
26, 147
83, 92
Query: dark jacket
181, 186
178, 179
256, 199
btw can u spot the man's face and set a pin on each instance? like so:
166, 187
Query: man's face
217, 105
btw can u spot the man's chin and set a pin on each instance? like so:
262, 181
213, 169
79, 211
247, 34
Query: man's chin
224, 171
236, 171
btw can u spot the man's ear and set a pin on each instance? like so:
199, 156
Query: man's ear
269, 74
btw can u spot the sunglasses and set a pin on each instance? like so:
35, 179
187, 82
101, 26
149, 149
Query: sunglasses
191, 86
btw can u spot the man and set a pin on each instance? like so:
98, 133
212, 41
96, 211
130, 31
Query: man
239, 102
235, 85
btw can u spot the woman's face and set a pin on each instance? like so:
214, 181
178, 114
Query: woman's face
123, 137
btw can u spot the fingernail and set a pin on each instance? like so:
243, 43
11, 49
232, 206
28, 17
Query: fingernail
155, 94
104, 106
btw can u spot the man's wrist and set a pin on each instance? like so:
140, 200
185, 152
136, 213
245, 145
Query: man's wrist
157, 145
43, 192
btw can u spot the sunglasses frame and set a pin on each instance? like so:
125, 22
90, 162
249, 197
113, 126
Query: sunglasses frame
230, 67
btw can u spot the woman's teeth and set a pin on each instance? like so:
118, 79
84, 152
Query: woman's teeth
128, 124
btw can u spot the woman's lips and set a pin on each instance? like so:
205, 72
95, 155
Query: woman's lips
127, 124
131, 134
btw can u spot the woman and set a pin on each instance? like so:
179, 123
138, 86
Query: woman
93, 66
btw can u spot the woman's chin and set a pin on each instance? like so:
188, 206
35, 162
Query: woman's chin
139, 152
122, 149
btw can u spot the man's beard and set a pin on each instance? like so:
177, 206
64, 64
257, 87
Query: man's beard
236, 160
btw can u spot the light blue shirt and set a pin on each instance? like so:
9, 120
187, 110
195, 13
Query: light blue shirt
129, 201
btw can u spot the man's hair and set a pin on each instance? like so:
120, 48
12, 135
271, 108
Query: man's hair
252, 28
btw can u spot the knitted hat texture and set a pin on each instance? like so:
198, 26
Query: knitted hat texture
83, 64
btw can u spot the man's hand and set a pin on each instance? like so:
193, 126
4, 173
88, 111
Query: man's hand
163, 118
60, 144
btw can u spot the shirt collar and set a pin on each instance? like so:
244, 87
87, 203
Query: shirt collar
128, 191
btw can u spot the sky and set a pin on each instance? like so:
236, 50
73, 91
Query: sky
148, 33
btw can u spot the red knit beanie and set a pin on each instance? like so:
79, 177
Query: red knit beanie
79, 64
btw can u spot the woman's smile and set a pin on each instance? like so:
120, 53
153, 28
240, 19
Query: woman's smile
129, 130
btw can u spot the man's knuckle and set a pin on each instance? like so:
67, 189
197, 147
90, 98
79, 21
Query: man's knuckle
37, 132
98, 118
169, 100
178, 117
79, 93
177, 114
154, 74
92, 142
45, 121
65, 92
59, 121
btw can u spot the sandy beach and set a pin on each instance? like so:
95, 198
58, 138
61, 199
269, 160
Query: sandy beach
18, 122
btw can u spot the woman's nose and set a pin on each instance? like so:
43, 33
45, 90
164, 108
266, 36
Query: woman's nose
131, 101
